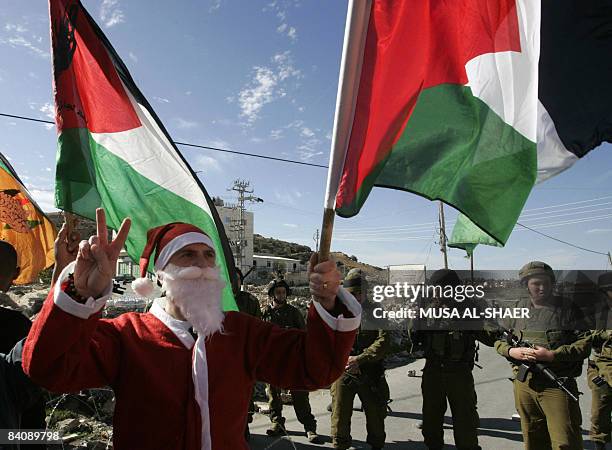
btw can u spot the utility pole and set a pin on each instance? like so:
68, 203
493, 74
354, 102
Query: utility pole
610, 258
316, 239
443, 235
238, 226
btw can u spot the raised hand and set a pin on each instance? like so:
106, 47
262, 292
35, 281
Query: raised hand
97, 258
324, 281
66, 248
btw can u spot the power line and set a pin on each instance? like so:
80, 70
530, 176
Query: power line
254, 155
187, 144
562, 241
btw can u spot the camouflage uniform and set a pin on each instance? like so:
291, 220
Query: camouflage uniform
601, 365
288, 316
369, 384
601, 405
447, 375
550, 419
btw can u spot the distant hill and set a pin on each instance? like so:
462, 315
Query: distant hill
270, 246
276, 247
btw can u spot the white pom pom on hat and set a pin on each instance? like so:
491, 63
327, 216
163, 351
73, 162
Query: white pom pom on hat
142, 286
165, 240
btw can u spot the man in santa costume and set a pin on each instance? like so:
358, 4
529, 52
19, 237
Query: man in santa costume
182, 373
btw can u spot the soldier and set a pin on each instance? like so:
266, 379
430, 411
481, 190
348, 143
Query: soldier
364, 376
285, 315
550, 418
447, 376
247, 303
599, 375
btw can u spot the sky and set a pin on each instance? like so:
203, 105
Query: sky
261, 77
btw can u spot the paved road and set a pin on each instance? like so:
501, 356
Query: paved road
495, 405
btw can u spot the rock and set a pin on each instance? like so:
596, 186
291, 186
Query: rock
31, 302
67, 425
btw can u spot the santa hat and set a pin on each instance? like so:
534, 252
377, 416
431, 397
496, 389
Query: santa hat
165, 241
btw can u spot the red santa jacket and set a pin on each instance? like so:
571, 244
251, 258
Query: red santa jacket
149, 366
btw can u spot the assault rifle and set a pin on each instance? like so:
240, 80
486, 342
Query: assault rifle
535, 367
362, 379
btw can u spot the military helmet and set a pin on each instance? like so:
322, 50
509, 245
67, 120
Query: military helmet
604, 282
278, 283
355, 279
534, 268
444, 277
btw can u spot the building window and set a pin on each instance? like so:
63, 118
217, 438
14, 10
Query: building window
269, 263
254, 263
294, 266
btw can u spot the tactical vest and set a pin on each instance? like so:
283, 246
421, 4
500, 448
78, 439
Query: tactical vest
544, 328
449, 349
283, 316
603, 350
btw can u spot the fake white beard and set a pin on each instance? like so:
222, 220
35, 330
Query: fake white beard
197, 293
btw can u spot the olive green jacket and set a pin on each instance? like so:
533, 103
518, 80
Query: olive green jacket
286, 316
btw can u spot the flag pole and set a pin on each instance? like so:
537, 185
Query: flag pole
357, 17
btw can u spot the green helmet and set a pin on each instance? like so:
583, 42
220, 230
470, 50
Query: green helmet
278, 283
534, 268
355, 279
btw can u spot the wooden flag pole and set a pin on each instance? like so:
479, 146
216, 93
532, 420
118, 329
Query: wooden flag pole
326, 234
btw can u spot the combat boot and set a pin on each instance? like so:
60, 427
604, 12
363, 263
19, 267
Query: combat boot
313, 437
276, 429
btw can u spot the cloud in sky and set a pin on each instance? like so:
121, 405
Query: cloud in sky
20, 41
214, 5
268, 84
133, 57
111, 14
184, 124
161, 99
15, 27
206, 164
290, 225
44, 198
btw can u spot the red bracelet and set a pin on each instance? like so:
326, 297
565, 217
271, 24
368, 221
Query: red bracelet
70, 289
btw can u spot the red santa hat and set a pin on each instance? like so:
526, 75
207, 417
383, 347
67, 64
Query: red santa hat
165, 241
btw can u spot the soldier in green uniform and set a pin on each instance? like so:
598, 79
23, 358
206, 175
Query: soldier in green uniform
550, 419
247, 303
285, 315
447, 376
601, 366
364, 376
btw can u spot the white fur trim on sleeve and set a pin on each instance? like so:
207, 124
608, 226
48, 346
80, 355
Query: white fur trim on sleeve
342, 323
67, 304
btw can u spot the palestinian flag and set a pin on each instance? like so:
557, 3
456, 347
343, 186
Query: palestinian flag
446, 107
113, 151
574, 97
24, 226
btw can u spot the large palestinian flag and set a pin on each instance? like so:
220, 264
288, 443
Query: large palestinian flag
575, 93
24, 226
113, 151
446, 107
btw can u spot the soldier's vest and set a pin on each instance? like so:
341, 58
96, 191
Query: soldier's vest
449, 349
284, 316
552, 339
604, 350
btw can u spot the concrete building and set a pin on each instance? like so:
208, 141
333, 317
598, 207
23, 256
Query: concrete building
230, 218
265, 267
